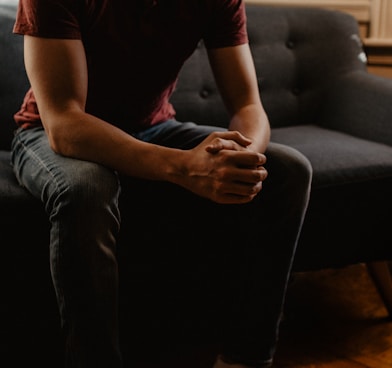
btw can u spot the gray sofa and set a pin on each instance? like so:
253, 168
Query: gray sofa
320, 100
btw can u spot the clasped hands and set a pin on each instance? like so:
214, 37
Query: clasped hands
225, 168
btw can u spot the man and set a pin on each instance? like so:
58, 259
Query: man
98, 113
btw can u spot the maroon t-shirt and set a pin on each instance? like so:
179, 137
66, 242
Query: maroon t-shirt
134, 52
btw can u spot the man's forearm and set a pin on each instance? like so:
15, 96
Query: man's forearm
253, 123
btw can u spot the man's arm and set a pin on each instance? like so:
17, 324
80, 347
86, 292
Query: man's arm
236, 78
58, 74
57, 71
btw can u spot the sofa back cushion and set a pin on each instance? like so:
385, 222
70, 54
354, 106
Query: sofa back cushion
13, 79
297, 52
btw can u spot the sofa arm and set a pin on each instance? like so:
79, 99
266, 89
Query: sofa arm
360, 104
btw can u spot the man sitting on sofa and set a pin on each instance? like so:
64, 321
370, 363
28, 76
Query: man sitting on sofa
98, 111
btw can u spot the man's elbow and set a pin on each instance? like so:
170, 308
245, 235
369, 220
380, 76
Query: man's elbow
59, 139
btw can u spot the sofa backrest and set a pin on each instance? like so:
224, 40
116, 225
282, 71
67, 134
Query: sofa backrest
297, 52
13, 79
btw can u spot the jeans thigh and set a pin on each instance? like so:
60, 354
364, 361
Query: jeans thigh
45, 174
176, 134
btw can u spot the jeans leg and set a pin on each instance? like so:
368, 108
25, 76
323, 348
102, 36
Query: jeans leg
81, 200
173, 133
255, 242
260, 259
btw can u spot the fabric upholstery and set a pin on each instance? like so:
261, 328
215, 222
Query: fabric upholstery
13, 80
340, 159
321, 100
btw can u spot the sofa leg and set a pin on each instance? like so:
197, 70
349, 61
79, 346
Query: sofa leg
381, 275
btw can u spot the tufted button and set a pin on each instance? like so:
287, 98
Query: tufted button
204, 93
290, 44
296, 91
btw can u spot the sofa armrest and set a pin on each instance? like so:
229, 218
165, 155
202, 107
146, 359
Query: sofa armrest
360, 104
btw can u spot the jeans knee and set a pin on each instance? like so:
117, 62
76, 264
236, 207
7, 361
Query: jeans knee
288, 165
94, 184
87, 190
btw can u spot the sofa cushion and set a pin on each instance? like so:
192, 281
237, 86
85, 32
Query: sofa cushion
11, 192
338, 158
350, 176
13, 79
295, 59
292, 84
22, 217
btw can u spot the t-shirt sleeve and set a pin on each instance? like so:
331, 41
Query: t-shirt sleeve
227, 26
48, 18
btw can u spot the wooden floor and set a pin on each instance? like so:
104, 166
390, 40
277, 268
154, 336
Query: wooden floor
333, 319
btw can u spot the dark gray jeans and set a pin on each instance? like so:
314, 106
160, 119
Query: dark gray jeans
82, 202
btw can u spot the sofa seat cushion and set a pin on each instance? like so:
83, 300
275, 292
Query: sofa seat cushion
338, 158
24, 265
11, 192
350, 176
22, 216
